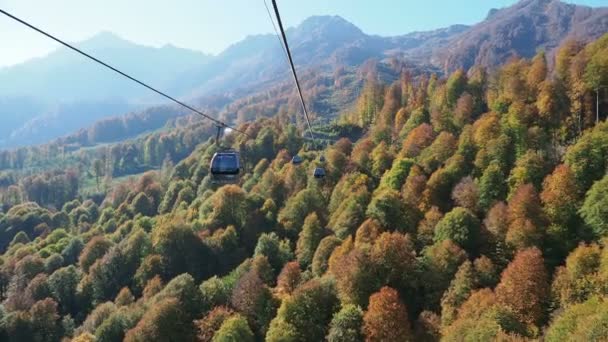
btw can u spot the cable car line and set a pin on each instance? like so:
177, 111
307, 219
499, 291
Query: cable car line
276, 31
319, 171
293, 69
216, 121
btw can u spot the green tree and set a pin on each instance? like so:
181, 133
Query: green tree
346, 325
72, 250
63, 284
234, 329
310, 237
579, 279
381, 159
596, 71
227, 206
396, 176
178, 245
442, 148
150, 267
305, 315
276, 250
96, 317
389, 210
98, 170
20, 237
529, 168
18, 327
439, 264
184, 289
115, 326
455, 86
464, 282
298, 207
492, 186
52, 263
143, 204
588, 158
320, 260
460, 226
580, 322
595, 207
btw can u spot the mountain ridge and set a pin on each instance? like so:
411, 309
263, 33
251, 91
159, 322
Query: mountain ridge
69, 92
521, 30
320, 43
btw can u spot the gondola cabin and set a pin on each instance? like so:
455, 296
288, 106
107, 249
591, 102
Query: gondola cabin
319, 173
296, 160
225, 167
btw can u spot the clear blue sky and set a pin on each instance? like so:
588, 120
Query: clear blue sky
212, 25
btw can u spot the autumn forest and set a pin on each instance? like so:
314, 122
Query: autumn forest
470, 207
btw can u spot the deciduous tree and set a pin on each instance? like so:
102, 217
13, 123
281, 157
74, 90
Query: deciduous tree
386, 318
595, 208
346, 325
523, 287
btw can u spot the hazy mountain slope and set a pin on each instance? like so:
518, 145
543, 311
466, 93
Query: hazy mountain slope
14, 111
63, 119
45, 98
66, 76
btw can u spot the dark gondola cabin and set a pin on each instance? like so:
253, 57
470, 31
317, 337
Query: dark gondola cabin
225, 167
319, 173
296, 160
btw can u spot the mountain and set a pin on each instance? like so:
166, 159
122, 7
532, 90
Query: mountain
64, 118
54, 95
520, 30
320, 42
64, 87
325, 42
66, 76
258, 58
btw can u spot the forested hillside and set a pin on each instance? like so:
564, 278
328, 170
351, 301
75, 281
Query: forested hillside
472, 207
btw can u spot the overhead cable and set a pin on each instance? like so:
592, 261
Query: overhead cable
293, 69
62, 42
